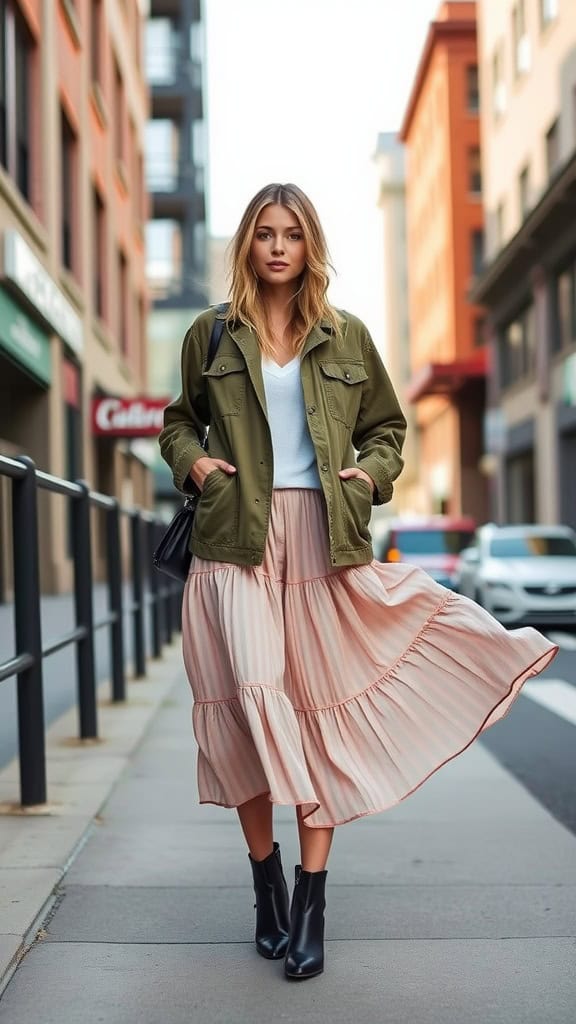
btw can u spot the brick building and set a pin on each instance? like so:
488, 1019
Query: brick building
73, 292
441, 132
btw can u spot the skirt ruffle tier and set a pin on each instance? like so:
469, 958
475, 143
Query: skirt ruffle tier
339, 690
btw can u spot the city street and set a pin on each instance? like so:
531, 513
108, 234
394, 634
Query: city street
456, 906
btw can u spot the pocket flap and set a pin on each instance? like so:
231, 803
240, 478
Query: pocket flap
348, 373
223, 365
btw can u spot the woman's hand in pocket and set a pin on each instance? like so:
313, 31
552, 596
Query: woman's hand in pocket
204, 466
360, 474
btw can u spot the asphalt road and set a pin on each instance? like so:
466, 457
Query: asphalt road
536, 744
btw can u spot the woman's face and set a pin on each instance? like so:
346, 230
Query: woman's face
278, 249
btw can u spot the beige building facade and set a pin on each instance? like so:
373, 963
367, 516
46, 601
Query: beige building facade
73, 294
527, 62
409, 495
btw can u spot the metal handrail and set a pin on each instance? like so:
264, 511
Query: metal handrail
26, 664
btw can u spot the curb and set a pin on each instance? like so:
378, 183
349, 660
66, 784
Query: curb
38, 844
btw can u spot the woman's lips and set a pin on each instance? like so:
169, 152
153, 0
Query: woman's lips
277, 265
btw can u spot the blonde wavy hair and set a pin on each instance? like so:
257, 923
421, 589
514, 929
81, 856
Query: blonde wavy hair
309, 304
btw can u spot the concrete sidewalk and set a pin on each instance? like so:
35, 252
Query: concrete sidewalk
457, 906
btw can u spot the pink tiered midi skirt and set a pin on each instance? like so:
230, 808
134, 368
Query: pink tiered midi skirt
337, 689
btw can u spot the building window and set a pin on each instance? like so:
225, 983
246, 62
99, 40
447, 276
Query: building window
524, 191
118, 113
96, 40
472, 90
565, 308
200, 247
548, 12
99, 252
498, 82
162, 154
552, 148
68, 149
518, 347
521, 39
520, 488
477, 251
123, 304
15, 73
161, 51
164, 257
474, 170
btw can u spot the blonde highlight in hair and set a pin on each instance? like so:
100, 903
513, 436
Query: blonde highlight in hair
309, 302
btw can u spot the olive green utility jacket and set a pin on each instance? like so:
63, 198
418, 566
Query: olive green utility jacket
350, 404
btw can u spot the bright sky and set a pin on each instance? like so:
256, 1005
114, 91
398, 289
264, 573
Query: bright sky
298, 90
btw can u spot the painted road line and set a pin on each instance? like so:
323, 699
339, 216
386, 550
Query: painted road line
554, 694
565, 640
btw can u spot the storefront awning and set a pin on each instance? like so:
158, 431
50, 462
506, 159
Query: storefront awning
447, 378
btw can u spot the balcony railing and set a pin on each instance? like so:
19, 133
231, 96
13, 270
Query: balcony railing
166, 174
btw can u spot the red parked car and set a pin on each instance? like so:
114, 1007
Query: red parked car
434, 543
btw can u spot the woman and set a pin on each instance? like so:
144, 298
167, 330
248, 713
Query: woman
321, 678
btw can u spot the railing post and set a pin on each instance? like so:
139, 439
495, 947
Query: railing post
84, 613
28, 632
138, 593
155, 602
114, 559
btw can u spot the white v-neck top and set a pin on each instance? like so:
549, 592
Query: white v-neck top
294, 455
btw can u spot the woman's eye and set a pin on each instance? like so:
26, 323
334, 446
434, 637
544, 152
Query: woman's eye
263, 235
296, 237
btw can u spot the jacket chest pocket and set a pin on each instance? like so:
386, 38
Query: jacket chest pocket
226, 380
342, 383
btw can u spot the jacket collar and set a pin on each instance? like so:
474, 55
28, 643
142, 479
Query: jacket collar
246, 339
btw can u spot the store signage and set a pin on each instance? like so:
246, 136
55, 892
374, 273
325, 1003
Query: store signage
23, 268
128, 417
23, 341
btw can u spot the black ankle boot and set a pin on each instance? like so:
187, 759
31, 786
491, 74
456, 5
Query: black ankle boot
305, 954
272, 905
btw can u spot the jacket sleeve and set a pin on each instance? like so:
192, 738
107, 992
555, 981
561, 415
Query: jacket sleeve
187, 417
381, 426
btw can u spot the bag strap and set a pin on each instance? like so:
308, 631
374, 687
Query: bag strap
217, 331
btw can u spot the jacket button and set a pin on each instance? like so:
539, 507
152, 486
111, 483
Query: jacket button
325, 467
311, 409
347, 375
222, 367
256, 501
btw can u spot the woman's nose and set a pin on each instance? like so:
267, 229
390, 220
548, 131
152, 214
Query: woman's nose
278, 247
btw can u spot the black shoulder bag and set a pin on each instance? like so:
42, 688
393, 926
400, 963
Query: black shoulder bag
173, 556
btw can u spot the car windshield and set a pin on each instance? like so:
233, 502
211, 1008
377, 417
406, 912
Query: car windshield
432, 542
532, 546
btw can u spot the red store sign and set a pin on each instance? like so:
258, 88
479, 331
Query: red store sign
128, 417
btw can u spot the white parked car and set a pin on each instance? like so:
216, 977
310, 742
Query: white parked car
522, 574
